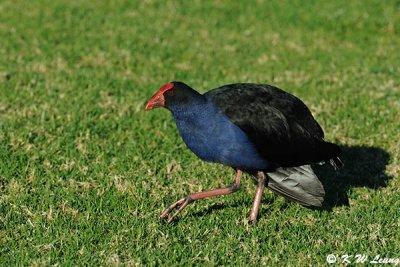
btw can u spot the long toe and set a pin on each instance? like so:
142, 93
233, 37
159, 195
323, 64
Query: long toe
178, 206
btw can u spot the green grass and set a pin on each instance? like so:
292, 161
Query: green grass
85, 172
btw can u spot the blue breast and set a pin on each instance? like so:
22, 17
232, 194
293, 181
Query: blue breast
213, 137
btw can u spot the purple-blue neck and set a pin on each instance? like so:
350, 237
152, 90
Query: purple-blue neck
193, 104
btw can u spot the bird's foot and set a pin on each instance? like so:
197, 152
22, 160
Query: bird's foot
178, 206
252, 220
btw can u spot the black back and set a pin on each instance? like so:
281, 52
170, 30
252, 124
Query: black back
279, 124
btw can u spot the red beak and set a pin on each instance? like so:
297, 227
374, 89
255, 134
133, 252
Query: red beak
157, 100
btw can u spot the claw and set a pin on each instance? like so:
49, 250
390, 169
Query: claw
252, 221
178, 206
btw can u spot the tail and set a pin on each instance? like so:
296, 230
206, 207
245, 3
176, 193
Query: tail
299, 184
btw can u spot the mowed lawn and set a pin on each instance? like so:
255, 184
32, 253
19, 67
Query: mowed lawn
85, 172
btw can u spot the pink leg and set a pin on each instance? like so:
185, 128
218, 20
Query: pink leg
182, 203
261, 178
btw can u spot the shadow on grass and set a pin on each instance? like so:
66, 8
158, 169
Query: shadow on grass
214, 207
363, 167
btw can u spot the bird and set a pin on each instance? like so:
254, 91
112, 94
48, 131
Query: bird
256, 129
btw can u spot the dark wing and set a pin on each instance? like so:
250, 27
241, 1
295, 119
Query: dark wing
279, 124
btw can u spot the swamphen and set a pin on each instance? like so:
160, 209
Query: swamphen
254, 128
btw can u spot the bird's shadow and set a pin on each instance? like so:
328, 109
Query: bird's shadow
213, 207
363, 167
